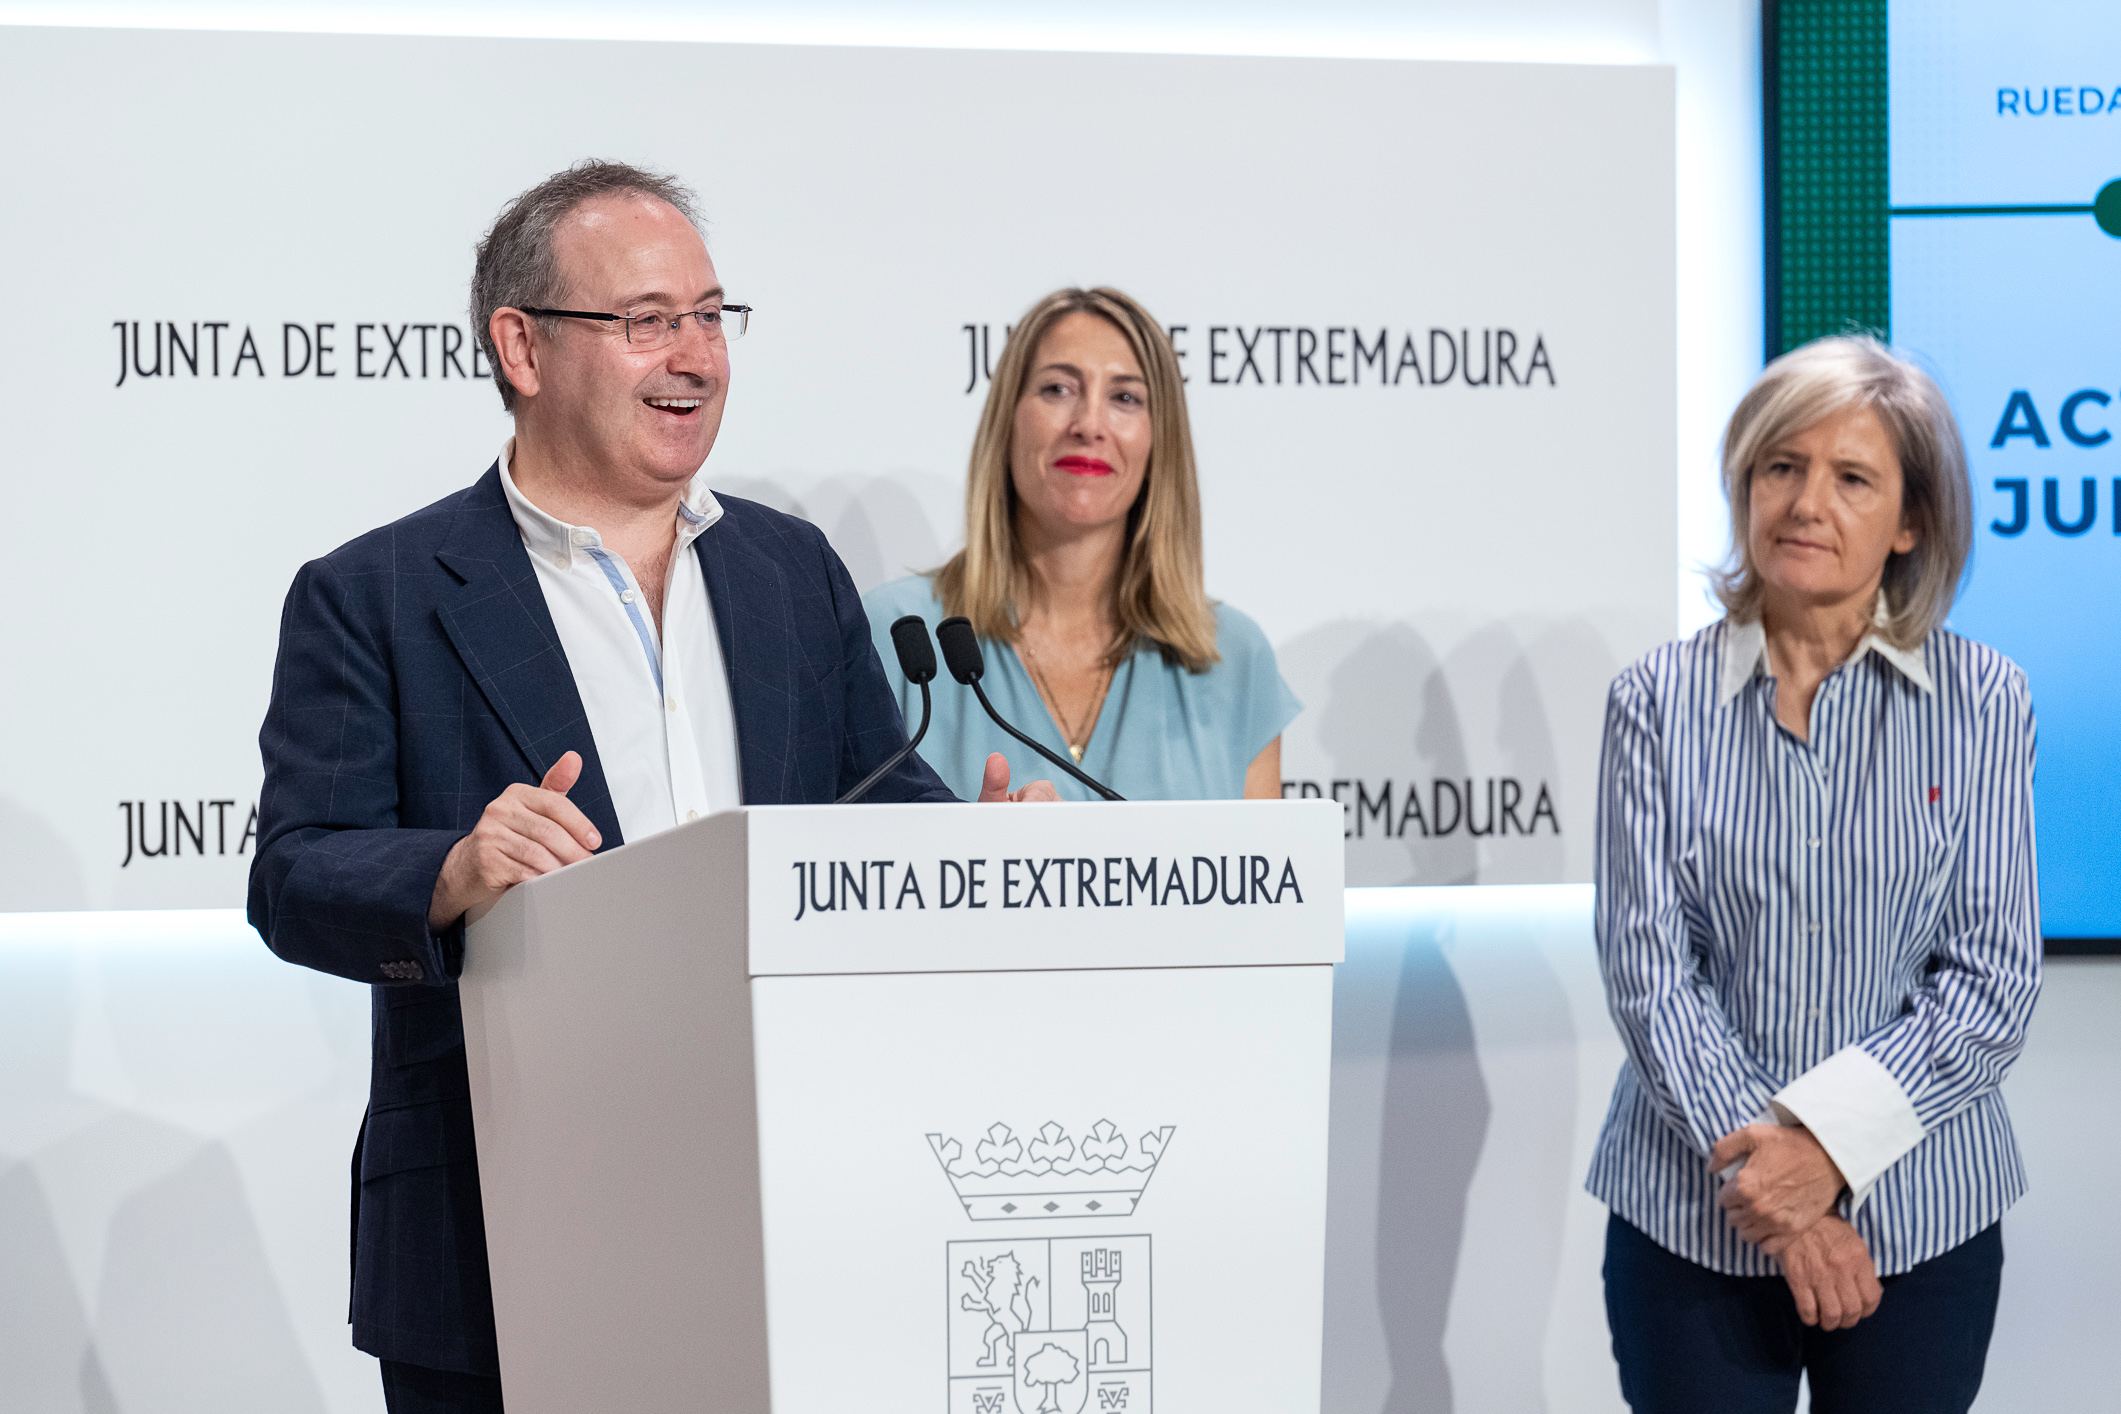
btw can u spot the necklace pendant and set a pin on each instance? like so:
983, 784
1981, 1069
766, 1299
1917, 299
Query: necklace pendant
1076, 752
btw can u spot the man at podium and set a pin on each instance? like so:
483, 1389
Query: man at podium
583, 647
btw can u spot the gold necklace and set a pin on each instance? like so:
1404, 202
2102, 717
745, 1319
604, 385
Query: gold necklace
1077, 736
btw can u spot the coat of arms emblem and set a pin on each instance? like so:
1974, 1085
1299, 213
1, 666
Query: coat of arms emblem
1050, 1325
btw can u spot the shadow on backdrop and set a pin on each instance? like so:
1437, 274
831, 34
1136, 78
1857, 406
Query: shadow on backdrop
1388, 713
46, 1360
190, 1319
875, 523
1435, 1121
39, 872
1520, 748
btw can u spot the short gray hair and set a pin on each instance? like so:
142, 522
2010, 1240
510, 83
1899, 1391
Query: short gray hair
516, 264
1811, 383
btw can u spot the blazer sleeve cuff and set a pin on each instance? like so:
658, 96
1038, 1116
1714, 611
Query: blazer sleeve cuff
1859, 1114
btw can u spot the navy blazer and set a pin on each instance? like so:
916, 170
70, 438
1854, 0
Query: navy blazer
419, 676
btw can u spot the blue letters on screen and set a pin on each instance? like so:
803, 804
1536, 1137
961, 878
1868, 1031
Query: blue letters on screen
2017, 313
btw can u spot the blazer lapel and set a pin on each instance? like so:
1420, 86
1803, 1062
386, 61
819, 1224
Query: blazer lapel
749, 594
497, 619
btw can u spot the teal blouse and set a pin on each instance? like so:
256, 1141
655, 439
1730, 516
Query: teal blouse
1163, 734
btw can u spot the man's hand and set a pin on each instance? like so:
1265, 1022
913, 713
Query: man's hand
995, 784
1787, 1184
526, 831
1831, 1274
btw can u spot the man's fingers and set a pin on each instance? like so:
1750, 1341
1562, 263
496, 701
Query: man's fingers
565, 844
564, 773
518, 858
994, 782
550, 805
1872, 1291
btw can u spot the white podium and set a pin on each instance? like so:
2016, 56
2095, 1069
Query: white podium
956, 1110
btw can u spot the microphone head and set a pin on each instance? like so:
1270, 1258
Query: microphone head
961, 649
916, 652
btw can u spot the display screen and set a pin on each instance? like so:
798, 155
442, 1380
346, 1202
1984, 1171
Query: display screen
2004, 164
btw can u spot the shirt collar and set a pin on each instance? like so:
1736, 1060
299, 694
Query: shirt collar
1745, 655
555, 541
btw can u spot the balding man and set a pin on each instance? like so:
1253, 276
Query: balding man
586, 646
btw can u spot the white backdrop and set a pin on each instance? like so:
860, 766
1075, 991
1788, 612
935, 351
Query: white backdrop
1451, 573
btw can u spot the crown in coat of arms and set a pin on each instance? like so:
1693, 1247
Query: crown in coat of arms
1053, 1175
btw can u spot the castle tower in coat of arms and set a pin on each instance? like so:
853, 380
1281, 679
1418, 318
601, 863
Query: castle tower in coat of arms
1107, 1342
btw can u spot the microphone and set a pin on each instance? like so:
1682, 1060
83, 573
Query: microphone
916, 659
968, 665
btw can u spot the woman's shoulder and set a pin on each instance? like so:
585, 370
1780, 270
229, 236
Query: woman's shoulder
1239, 640
914, 594
1679, 669
1971, 670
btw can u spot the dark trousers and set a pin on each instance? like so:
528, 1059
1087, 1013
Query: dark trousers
415, 1389
1689, 1339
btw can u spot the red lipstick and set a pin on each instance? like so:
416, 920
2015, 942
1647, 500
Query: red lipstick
1084, 466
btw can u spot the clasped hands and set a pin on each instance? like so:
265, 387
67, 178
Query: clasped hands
1782, 1201
530, 830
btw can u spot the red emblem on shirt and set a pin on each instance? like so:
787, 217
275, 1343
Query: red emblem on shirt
1935, 791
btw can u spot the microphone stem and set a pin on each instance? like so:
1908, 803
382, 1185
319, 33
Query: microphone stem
1069, 766
891, 762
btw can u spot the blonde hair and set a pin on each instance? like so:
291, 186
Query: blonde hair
1159, 594
1811, 383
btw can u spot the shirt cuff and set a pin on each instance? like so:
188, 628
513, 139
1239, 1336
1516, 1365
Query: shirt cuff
1858, 1113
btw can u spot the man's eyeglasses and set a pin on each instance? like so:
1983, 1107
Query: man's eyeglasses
652, 329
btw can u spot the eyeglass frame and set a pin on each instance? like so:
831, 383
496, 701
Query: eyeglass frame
627, 319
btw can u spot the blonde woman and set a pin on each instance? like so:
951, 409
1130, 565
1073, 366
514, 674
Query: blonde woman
1081, 573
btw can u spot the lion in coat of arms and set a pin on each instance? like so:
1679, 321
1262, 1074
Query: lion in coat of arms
1002, 1293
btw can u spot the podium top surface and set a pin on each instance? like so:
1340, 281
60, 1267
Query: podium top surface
978, 888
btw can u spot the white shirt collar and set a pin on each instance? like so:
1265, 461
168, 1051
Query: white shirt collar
1745, 655
555, 541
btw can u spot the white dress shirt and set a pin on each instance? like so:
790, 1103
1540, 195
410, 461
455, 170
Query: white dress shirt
658, 706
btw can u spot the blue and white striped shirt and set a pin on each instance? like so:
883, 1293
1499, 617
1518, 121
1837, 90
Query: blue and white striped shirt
1842, 933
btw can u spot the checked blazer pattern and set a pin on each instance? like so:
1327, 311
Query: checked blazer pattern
419, 675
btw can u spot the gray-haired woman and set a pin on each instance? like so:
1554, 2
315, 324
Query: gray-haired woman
1819, 929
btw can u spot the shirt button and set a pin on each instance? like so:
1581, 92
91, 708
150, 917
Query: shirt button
626, 597
672, 704
694, 815
1817, 1012
1813, 842
560, 560
1811, 927
583, 537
